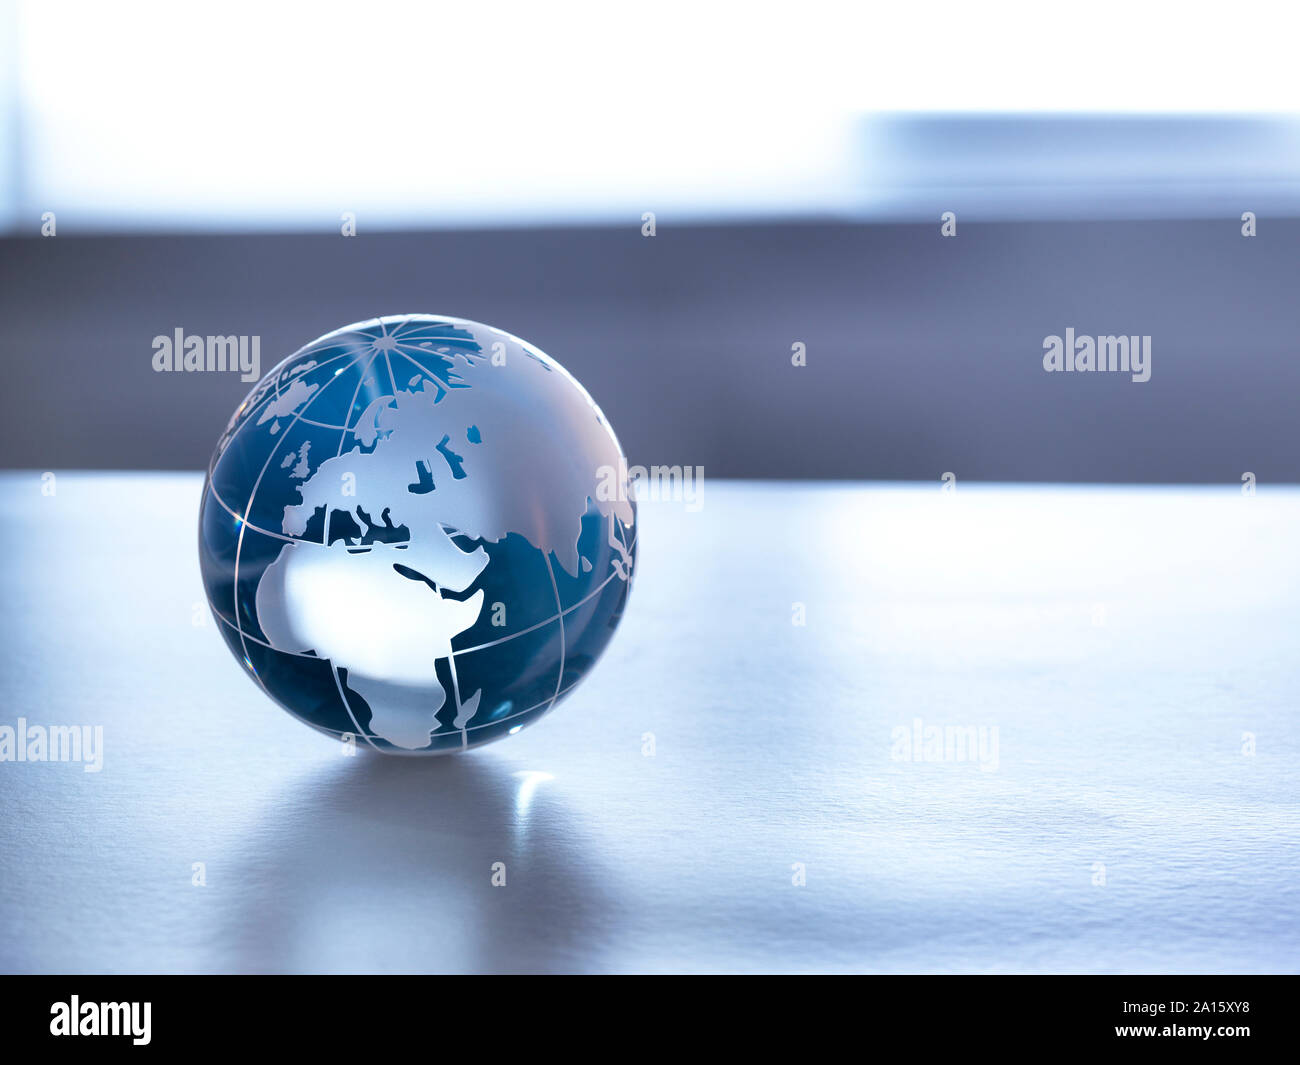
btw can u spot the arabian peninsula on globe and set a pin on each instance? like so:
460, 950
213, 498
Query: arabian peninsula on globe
417, 534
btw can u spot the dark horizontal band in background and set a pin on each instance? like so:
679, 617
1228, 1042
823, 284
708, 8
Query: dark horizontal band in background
924, 353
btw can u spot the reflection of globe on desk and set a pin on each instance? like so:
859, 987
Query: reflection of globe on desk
417, 531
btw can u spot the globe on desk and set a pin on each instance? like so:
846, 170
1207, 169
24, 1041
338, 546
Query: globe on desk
417, 534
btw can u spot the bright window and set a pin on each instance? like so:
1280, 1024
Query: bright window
285, 116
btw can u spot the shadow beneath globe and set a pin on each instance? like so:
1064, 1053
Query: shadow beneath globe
463, 863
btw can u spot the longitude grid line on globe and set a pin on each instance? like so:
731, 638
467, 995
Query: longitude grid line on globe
361, 377
270, 395
239, 546
347, 703
346, 428
451, 663
343, 438
351, 428
559, 678
276, 394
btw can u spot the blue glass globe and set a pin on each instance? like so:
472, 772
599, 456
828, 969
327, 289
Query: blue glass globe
417, 532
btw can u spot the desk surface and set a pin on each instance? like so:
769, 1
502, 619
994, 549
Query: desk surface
1128, 645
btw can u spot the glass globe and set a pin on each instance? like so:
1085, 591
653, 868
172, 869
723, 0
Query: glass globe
417, 532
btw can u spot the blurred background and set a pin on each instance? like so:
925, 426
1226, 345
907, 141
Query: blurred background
669, 199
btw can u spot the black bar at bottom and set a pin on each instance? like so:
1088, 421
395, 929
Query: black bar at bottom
366, 1013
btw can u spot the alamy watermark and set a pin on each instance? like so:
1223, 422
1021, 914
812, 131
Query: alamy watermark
1108, 354
654, 484
210, 354
75, 1018
53, 743
945, 743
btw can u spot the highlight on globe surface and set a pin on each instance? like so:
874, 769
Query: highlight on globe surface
417, 533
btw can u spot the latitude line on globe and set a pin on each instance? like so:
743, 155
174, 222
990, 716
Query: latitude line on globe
275, 393
455, 653
367, 547
361, 333
346, 429
469, 728
424, 369
271, 394
567, 610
